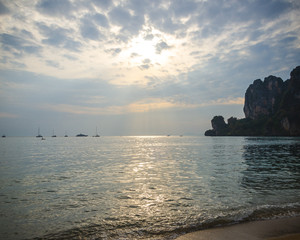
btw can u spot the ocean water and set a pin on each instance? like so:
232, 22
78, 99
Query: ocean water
143, 187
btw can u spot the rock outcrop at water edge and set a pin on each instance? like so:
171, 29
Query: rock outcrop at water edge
272, 108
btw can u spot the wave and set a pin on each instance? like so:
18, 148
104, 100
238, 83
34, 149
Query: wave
112, 228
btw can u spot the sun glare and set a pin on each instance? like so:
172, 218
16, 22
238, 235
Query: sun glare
144, 52
151, 52
143, 48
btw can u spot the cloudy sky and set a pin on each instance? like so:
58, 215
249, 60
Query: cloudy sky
137, 67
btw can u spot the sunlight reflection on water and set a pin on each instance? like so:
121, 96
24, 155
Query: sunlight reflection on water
142, 187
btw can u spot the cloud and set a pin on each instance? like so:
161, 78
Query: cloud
3, 9
58, 37
144, 105
89, 26
159, 47
172, 17
70, 57
122, 57
224, 101
183, 8
149, 37
72, 45
214, 16
144, 66
100, 19
26, 34
52, 63
17, 45
130, 24
152, 104
104, 4
7, 115
270, 9
119, 16
162, 20
18, 64
113, 51
54, 8
133, 55
89, 30
195, 53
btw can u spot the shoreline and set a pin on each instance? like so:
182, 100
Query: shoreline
275, 229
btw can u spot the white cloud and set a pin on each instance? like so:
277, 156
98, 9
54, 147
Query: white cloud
224, 101
212, 30
144, 105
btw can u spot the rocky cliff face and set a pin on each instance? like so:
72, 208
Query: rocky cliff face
261, 98
289, 108
219, 127
272, 108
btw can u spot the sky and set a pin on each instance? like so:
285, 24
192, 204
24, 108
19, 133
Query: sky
137, 67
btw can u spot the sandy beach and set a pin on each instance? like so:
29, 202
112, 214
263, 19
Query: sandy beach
278, 229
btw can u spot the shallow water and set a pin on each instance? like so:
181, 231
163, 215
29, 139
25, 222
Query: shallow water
143, 187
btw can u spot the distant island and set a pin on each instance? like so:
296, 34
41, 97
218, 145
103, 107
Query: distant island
272, 108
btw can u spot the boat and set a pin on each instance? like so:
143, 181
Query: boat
81, 135
66, 135
97, 135
53, 135
43, 138
39, 135
3, 135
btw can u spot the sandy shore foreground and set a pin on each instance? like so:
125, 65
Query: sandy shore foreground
278, 229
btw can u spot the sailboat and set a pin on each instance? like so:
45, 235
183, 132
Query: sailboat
53, 135
39, 135
97, 135
66, 135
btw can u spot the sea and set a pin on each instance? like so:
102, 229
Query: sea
144, 187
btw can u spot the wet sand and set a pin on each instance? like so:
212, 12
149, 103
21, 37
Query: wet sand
278, 229
287, 237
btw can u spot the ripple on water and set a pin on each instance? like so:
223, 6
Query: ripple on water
144, 188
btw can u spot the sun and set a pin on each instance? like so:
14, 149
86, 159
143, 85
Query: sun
142, 51
143, 48
149, 54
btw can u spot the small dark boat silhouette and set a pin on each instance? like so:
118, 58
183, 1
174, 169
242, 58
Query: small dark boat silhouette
53, 135
97, 135
39, 135
81, 135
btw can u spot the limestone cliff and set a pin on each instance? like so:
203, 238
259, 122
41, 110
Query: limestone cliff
261, 97
289, 108
272, 108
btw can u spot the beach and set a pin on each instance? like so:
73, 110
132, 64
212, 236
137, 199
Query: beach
277, 229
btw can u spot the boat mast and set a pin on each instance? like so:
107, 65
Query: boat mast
39, 135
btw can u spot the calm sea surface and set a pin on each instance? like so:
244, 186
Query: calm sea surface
143, 187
